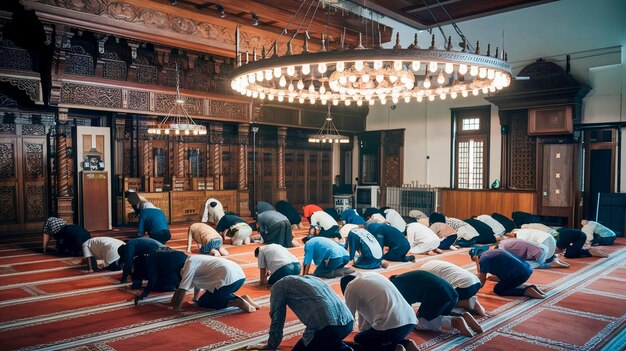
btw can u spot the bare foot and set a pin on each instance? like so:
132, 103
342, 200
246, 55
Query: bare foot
295, 243
531, 291
479, 309
223, 251
246, 241
384, 264
472, 322
215, 253
595, 252
493, 278
242, 304
460, 324
556, 263
250, 301
431, 253
438, 251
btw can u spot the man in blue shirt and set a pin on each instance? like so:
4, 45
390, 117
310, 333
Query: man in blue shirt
152, 221
511, 272
392, 238
351, 216
133, 253
370, 252
329, 257
327, 319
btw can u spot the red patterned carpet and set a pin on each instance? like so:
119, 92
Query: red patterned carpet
52, 303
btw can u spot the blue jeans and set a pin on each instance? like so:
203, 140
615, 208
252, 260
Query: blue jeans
371, 339
219, 298
599, 240
328, 338
288, 269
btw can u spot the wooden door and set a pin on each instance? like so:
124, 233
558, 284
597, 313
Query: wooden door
23, 165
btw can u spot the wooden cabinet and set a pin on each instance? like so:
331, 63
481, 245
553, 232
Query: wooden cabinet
95, 211
559, 190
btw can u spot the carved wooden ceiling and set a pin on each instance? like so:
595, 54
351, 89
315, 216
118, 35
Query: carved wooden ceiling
427, 13
276, 15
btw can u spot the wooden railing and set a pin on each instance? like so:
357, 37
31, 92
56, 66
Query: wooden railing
462, 204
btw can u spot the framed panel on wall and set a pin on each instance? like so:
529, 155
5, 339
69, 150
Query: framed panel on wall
550, 120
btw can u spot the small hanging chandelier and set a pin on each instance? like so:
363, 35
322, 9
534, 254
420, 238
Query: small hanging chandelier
177, 121
329, 133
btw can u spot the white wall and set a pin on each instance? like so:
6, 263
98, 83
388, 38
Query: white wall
593, 33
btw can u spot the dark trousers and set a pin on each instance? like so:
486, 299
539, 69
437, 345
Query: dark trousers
325, 269
332, 232
381, 340
280, 233
511, 287
430, 310
219, 298
398, 254
139, 271
466, 243
292, 268
572, 241
328, 338
161, 236
466, 293
447, 242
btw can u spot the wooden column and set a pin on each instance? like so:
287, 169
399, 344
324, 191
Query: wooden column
146, 156
215, 147
281, 193
244, 195
180, 159
64, 199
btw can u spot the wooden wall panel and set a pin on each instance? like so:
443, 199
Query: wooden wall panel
463, 204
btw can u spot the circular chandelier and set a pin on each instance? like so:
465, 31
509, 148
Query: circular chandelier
328, 133
365, 75
177, 121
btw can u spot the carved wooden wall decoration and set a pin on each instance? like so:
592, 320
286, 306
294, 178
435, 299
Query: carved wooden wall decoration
229, 110
522, 153
79, 61
8, 210
146, 72
13, 57
91, 95
7, 160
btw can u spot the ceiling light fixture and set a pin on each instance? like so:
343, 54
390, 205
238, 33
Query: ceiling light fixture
178, 121
329, 133
255, 19
220, 9
367, 75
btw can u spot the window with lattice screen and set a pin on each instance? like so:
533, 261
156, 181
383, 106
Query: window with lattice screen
471, 148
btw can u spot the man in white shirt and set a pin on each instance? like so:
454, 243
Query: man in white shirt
277, 262
327, 225
467, 235
542, 227
384, 316
497, 228
465, 283
102, 248
542, 238
219, 277
395, 219
213, 211
422, 239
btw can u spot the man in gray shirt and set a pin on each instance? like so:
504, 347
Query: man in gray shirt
327, 319
275, 228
